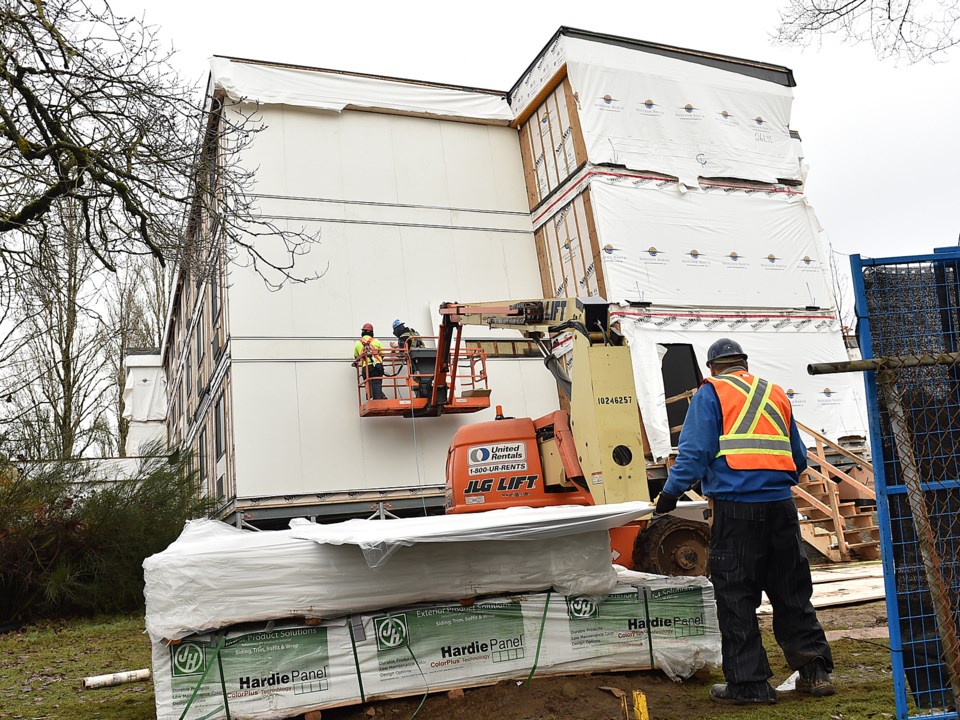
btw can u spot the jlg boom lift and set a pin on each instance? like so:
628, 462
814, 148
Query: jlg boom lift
592, 454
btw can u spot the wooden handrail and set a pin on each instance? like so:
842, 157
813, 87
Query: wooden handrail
834, 447
840, 523
812, 500
833, 470
682, 396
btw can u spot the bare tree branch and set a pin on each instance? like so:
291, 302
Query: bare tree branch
92, 110
902, 30
57, 386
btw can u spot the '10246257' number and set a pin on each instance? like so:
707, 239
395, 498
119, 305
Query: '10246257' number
615, 400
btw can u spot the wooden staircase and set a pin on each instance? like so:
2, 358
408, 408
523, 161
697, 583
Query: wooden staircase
837, 506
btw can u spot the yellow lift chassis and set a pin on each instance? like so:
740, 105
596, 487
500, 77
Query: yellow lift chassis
604, 416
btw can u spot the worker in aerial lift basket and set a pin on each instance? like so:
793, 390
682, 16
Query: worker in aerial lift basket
407, 337
366, 352
740, 438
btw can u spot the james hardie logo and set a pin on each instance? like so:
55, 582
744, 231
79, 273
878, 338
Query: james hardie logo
649, 104
581, 608
653, 252
187, 659
734, 256
759, 120
772, 259
391, 631
608, 249
695, 254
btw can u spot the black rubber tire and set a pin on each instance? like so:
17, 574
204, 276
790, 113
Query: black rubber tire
673, 546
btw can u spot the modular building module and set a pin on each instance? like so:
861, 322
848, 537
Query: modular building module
663, 179
670, 181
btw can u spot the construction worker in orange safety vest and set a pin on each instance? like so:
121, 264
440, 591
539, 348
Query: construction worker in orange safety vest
366, 354
740, 439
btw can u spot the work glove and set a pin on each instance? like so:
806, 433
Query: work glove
666, 503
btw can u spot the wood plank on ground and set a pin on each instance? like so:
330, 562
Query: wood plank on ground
846, 572
839, 593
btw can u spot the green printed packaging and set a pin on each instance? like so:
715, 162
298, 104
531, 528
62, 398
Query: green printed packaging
433, 647
267, 674
276, 672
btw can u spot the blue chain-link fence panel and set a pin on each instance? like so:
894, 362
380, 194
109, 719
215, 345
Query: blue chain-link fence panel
910, 307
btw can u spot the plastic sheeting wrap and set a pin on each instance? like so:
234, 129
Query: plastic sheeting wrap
694, 643
779, 348
720, 247
329, 90
215, 575
380, 540
646, 621
649, 112
145, 394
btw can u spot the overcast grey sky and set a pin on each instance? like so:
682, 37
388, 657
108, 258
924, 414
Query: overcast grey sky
882, 142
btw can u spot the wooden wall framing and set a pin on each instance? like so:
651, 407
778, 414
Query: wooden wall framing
551, 143
568, 251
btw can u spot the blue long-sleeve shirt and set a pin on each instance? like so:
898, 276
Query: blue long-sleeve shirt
697, 459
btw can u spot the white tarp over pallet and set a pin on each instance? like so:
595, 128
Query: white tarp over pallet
215, 575
379, 540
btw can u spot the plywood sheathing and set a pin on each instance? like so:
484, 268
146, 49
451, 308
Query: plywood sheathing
594, 242
573, 111
551, 140
568, 250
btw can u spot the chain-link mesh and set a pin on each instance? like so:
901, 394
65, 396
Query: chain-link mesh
910, 312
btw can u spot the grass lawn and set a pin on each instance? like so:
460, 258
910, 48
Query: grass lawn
41, 667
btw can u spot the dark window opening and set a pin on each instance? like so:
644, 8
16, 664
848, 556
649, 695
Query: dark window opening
219, 422
681, 374
202, 456
199, 352
215, 296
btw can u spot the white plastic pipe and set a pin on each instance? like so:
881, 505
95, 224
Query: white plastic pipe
120, 678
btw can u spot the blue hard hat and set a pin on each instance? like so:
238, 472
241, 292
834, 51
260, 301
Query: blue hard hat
397, 323
725, 348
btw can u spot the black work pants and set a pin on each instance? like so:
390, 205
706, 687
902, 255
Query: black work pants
373, 373
756, 547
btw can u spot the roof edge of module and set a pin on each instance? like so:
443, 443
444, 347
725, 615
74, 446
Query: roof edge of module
779, 74
371, 76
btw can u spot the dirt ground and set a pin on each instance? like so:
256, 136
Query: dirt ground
862, 677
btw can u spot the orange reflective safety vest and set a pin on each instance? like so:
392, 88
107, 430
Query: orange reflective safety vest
368, 348
756, 422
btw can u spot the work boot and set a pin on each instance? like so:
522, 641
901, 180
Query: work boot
815, 680
744, 695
